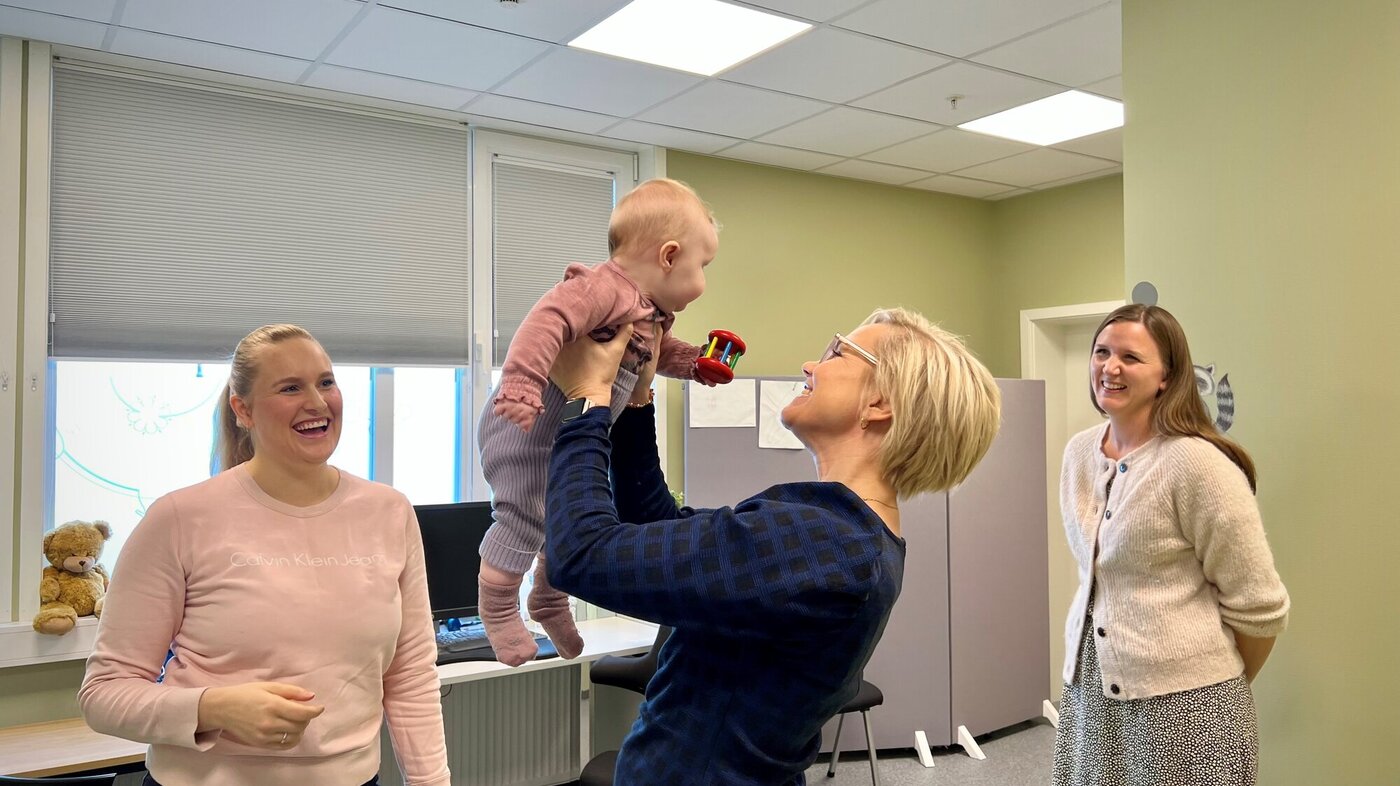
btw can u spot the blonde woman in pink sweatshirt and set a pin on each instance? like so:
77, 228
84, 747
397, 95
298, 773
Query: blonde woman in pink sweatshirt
290, 597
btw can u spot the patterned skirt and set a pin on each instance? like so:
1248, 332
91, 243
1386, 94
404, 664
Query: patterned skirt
1201, 737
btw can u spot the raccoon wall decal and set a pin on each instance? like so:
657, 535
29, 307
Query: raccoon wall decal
1222, 392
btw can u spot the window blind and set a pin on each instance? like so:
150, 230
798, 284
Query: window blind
544, 217
183, 218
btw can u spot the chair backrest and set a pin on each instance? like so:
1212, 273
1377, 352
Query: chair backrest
630, 672
72, 780
663, 633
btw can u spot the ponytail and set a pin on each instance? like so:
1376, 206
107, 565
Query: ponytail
233, 444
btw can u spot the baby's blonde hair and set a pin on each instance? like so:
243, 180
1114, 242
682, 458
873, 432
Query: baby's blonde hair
654, 212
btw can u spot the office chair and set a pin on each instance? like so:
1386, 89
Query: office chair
868, 696
73, 780
630, 672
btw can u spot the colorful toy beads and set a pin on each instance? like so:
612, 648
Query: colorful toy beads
716, 365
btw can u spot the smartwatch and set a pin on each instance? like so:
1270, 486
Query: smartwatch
575, 407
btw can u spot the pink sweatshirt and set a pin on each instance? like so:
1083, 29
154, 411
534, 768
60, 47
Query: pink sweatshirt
243, 588
598, 299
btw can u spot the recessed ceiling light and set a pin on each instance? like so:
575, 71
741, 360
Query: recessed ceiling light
1062, 117
699, 36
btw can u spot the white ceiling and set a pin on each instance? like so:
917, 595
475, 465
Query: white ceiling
863, 95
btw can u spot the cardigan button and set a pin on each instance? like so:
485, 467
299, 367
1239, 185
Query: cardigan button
1102, 632
1108, 514
1123, 467
1114, 689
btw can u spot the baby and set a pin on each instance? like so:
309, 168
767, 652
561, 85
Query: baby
660, 238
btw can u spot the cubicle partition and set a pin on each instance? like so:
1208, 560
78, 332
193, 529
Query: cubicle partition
967, 645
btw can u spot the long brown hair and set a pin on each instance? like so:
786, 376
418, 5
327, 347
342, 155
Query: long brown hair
233, 444
1179, 410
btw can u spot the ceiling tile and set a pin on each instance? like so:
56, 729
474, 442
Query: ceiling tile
433, 50
1085, 49
169, 49
833, 65
1107, 144
96, 10
1080, 178
949, 150
848, 132
1034, 168
21, 23
1111, 87
545, 21
734, 110
302, 29
813, 10
879, 173
547, 115
791, 158
959, 27
983, 91
596, 83
393, 88
665, 136
962, 186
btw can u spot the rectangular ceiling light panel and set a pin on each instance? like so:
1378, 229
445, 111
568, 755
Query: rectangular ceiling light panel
699, 36
1059, 118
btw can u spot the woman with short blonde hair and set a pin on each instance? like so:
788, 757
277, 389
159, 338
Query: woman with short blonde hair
777, 602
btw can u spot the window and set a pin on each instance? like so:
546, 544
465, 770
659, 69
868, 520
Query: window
126, 433
427, 441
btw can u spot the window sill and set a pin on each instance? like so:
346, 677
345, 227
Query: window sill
20, 645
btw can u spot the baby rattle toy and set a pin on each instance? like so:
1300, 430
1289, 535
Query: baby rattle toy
716, 365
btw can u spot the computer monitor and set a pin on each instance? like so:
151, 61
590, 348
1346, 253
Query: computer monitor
451, 536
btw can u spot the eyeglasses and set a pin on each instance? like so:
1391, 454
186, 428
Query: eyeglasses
834, 350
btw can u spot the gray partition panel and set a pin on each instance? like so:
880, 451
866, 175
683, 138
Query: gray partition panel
999, 573
725, 465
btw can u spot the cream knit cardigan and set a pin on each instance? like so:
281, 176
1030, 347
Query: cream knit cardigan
1182, 560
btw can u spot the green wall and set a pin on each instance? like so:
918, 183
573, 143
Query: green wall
1263, 178
1052, 248
804, 255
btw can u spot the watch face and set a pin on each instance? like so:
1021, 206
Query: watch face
574, 408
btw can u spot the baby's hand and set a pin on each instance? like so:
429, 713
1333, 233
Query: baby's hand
517, 412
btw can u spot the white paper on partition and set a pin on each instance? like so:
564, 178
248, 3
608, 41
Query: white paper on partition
773, 395
723, 406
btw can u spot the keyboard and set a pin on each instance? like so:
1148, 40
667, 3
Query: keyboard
469, 643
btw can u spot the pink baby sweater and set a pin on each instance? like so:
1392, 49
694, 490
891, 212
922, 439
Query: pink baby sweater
243, 588
587, 300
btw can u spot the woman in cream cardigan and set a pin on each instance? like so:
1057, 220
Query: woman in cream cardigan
1178, 601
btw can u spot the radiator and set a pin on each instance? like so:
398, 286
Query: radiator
511, 730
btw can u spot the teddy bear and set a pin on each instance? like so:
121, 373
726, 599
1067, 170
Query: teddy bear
74, 584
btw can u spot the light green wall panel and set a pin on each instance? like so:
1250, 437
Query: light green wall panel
1263, 179
1052, 248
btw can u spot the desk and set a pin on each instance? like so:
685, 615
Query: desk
60, 747
65, 746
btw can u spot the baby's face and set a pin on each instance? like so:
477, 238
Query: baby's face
685, 281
